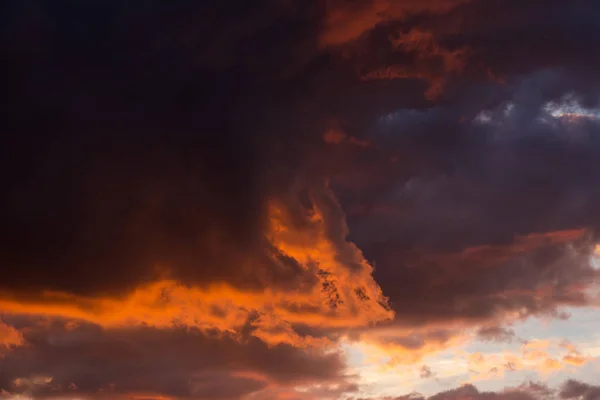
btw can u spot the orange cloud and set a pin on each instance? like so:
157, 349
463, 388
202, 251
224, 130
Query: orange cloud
576, 360
345, 296
347, 21
574, 357
536, 353
541, 356
9, 337
395, 349
551, 364
394, 346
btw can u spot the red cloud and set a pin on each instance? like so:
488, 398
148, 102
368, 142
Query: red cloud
432, 63
347, 21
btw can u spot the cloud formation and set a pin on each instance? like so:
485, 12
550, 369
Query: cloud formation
347, 21
334, 289
529, 391
225, 200
9, 337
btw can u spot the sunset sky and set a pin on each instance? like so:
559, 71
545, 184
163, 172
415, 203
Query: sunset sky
300, 200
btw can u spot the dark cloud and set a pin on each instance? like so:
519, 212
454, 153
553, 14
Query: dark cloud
461, 179
173, 155
527, 391
174, 362
128, 151
573, 389
496, 334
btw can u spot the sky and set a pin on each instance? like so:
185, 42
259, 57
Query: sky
300, 200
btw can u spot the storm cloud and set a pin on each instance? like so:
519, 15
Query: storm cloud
213, 200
